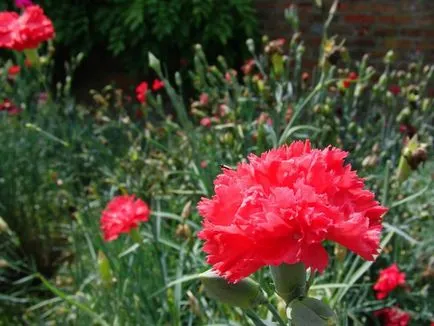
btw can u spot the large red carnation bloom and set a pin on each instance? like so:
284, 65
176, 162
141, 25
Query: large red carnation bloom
281, 206
392, 316
389, 279
26, 31
122, 214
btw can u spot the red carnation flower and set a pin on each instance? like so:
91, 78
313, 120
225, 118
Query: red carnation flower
141, 91
13, 70
389, 279
206, 122
26, 31
7, 18
281, 206
346, 83
204, 99
10, 107
392, 316
352, 76
248, 66
122, 214
395, 89
157, 85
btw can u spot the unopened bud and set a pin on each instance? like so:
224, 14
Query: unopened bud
250, 45
289, 280
245, 293
4, 227
105, 272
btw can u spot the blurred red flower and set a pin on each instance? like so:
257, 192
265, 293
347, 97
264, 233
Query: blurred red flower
9, 107
141, 90
346, 83
352, 76
281, 206
206, 122
23, 3
392, 316
14, 70
204, 99
27, 31
248, 66
395, 89
122, 214
389, 279
157, 85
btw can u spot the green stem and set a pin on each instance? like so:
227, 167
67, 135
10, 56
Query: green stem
275, 313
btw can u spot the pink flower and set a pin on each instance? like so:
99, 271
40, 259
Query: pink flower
248, 67
157, 85
23, 3
392, 316
122, 214
203, 164
141, 91
281, 206
206, 122
389, 279
204, 99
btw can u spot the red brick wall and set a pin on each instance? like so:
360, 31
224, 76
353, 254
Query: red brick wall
369, 26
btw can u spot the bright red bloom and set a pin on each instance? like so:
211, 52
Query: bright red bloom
206, 122
393, 316
122, 214
389, 279
281, 206
26, 31
14, 70
346, 83
141, 91
157, 85
7, 18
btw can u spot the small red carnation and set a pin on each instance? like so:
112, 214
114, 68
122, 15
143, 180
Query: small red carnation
281, 206
305, 76
206, 122
122, 214
141, 91
10, 108
352, 76
13, 70
248, 66
392, 316
157, 85
204, 99
27, 31
389, 279
395, 89
346, 83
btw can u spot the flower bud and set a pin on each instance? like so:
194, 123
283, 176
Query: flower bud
154, 63
186, 211
245, 294
310, 311
105, 272
4, 227
389, 57
289, 280
250, 45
